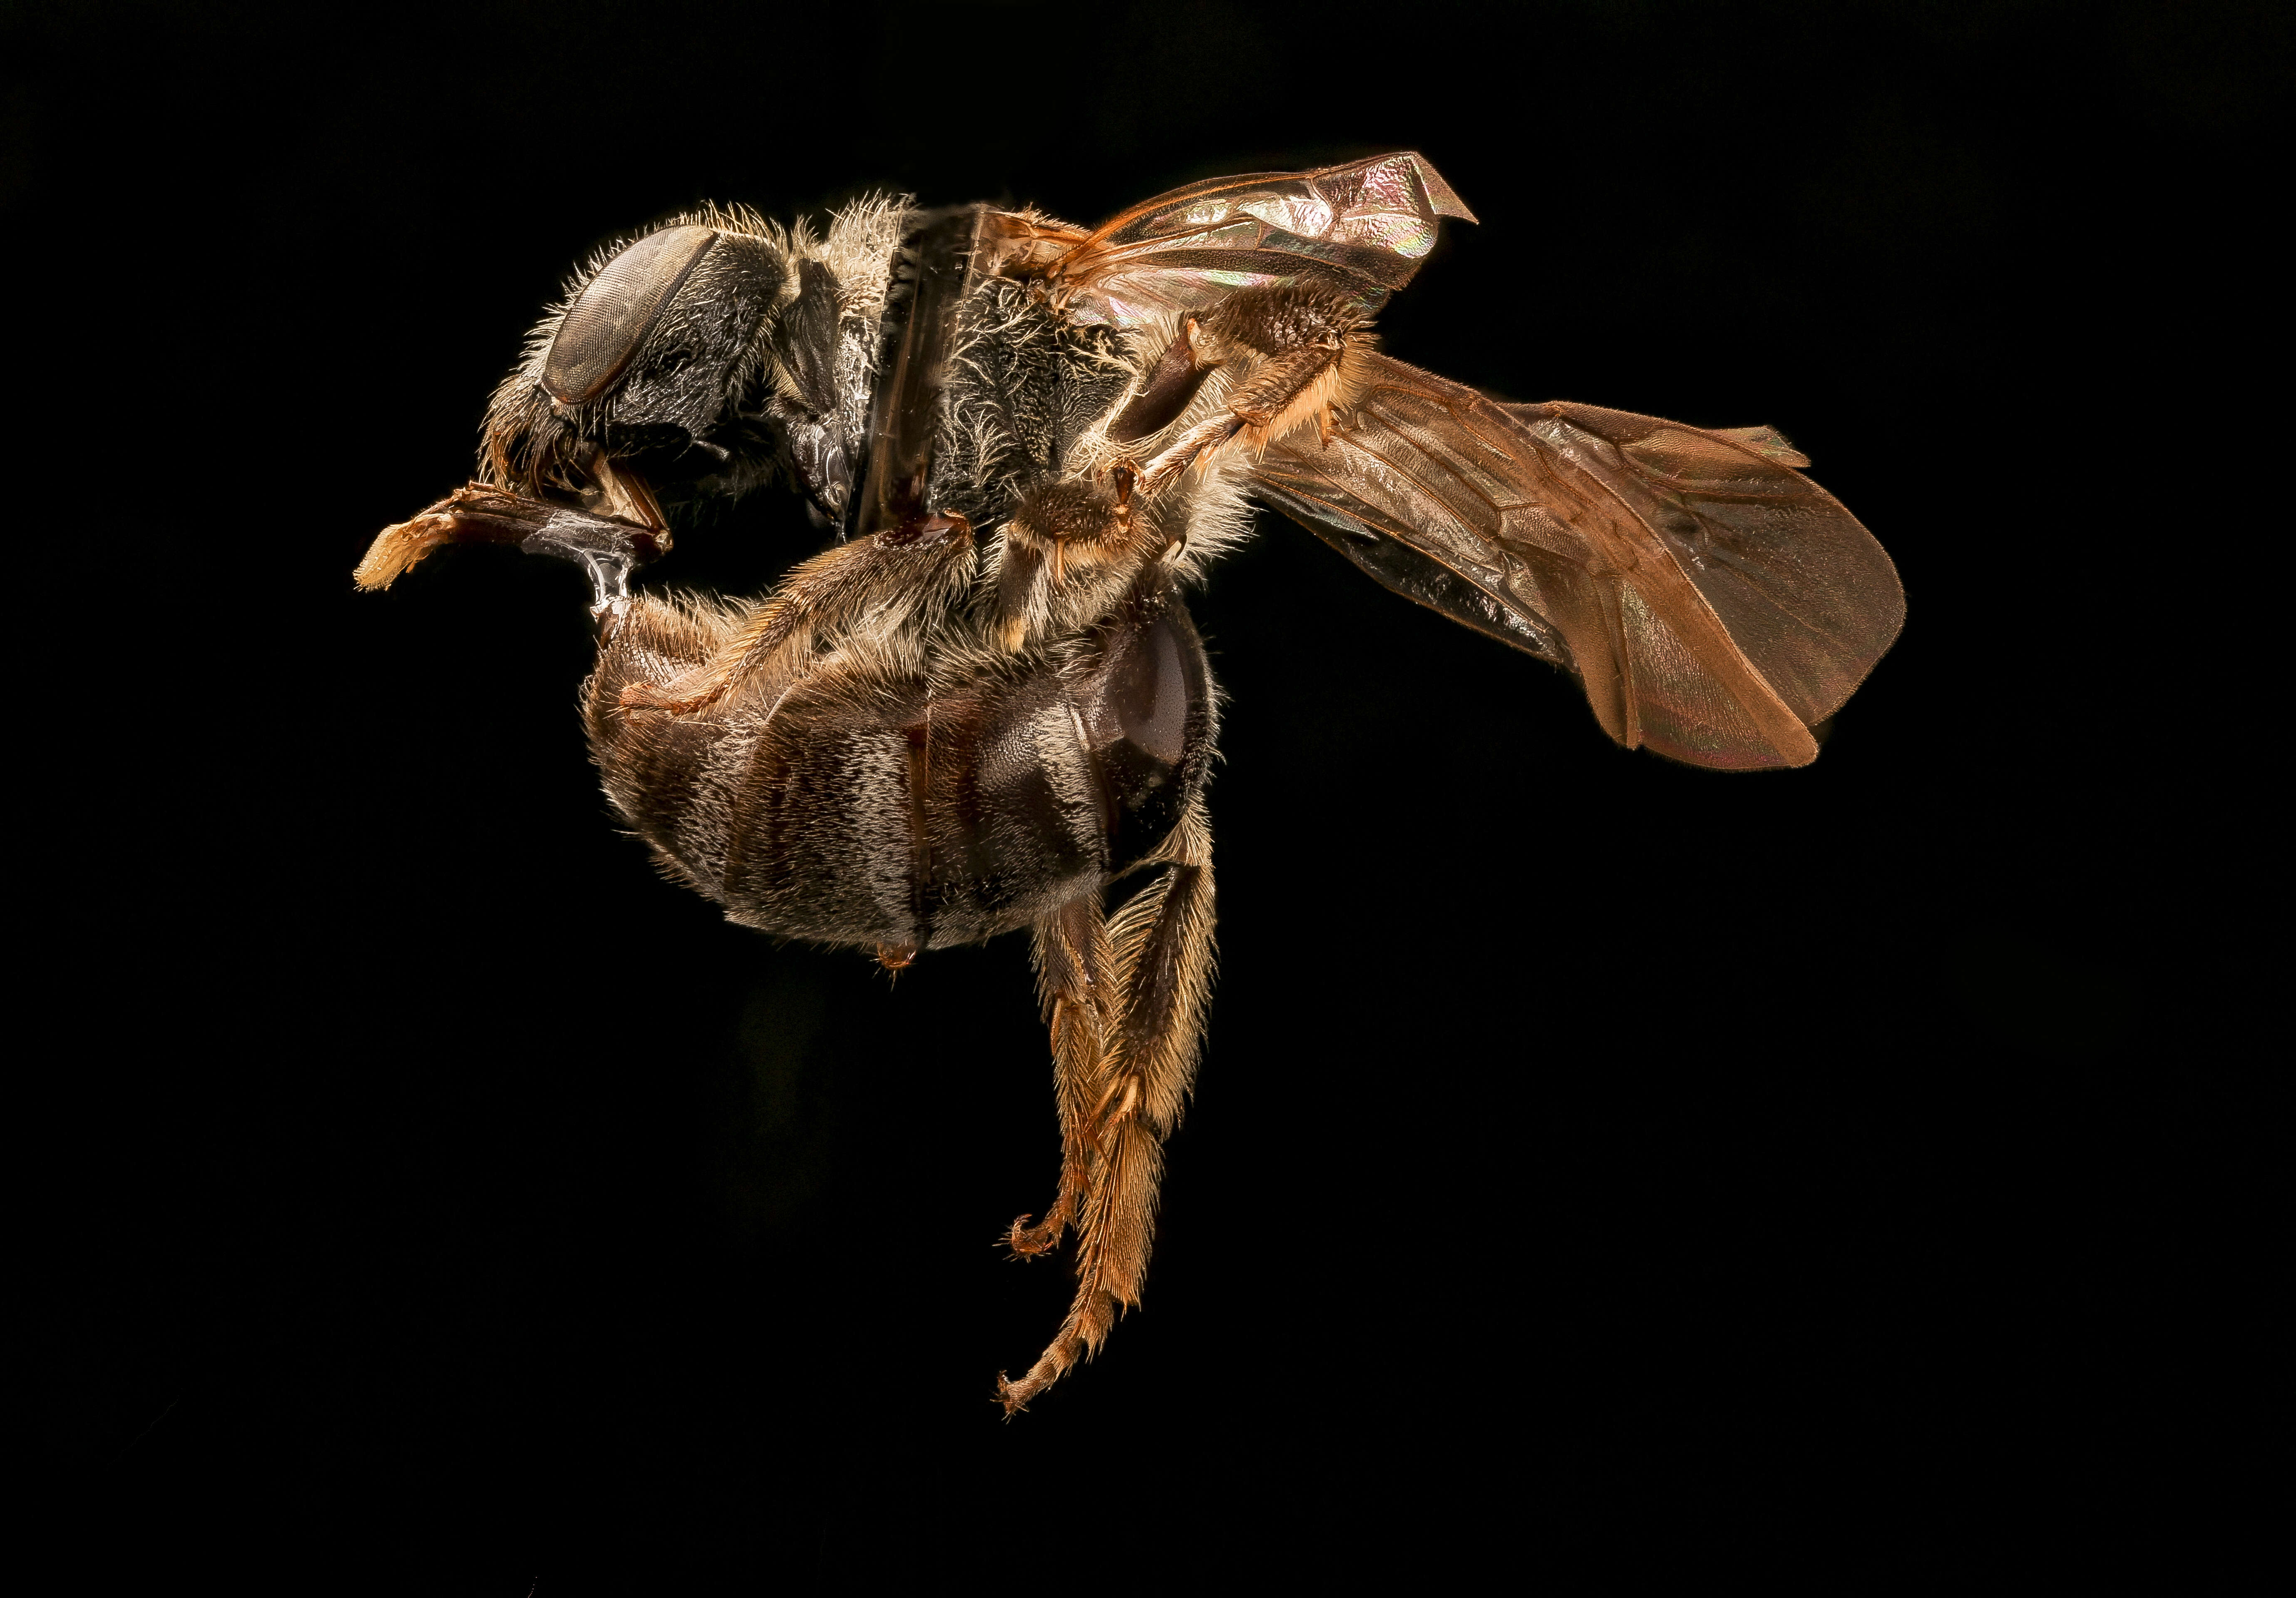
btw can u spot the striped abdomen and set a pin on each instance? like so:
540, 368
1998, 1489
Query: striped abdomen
870, 807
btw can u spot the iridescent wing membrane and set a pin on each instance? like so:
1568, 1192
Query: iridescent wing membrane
1363, 227
1714, 604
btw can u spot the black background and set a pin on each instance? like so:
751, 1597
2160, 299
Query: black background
1594, 1159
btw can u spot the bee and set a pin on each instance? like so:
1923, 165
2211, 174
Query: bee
983, 705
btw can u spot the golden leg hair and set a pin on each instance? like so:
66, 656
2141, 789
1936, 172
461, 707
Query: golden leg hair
908, 568
1073, 960
1161, 972
1306, 340
1272, 394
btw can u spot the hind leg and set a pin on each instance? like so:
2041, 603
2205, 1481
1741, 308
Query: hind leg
1161, 970
1073, 960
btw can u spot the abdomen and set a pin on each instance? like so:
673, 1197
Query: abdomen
865, 805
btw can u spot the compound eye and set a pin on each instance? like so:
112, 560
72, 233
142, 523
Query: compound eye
608, 322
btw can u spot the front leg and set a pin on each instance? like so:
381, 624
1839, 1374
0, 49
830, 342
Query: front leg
892, 575
1162, 967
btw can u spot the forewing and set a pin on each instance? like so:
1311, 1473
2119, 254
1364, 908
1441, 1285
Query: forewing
1712, 603
1365, 226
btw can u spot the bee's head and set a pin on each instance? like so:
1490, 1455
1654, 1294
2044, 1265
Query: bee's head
645, 369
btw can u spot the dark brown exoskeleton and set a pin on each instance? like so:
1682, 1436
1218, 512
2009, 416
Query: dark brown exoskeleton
984, 704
